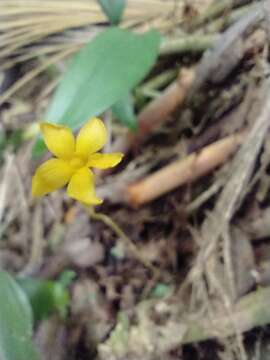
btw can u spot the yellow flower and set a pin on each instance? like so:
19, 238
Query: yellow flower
73, 159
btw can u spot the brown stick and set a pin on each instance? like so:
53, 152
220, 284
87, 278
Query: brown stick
158, 110
183, 171
154, 114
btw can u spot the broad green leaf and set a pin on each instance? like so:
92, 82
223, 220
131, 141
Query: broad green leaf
45, 296
103, 72
16, 322
113, 9
123, 110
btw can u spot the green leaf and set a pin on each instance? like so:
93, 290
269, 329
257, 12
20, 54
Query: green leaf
66, 277
14, 140
2, 143
45, 296
161, 290
118, 251
123, 110
16, 322
38, 149
103, 72
113, 9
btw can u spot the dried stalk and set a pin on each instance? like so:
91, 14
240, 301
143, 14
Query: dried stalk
149, 339
158, 111
216, 226
183, 171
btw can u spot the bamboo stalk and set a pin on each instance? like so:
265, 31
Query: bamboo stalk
159, 109
182, 171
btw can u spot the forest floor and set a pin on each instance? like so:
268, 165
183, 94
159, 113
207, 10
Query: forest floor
175, 264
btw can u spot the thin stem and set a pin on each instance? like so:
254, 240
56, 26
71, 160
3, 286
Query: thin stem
187, 44
118, 231
159, 81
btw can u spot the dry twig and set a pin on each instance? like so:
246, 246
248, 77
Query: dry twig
183, 171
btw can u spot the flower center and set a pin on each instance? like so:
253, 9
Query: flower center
77, 162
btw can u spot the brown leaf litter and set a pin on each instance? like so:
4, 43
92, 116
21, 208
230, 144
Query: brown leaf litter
190, 264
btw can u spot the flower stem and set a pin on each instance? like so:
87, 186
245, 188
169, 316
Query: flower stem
119, 232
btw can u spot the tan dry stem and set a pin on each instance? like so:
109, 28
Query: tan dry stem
158, 110
183, 171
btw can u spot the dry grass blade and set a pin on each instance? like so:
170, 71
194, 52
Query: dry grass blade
34, 28
33, 73
4, 186
215, 229
37, 23
28, 22
38, 19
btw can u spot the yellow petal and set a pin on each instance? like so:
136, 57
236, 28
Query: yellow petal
91, 138
59, 140
51, 175
81, 187
104, 161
